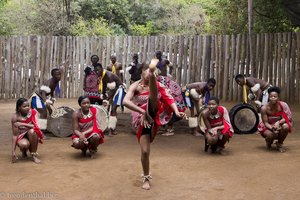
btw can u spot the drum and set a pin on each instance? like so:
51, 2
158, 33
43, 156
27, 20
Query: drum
244, 119
60, 122
102, 117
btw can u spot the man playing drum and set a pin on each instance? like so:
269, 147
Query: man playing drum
216, 126
116, 92
44, 98
197, 95
258, 89
276, 120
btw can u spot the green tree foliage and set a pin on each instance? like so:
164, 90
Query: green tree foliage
139, 17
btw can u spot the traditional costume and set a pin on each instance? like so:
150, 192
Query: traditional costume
221, 116
284, 113
92, 86
30, 119
162, 117
92, 119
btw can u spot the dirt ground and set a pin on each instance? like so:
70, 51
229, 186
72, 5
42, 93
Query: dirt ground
179, 166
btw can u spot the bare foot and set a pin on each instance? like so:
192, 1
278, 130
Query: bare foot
114, 132
92, 154
169, 132
280, 147
14, 159
152, 65
146, 185
197, 134
36, 160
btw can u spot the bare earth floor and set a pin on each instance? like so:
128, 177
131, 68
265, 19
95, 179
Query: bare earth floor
180, 168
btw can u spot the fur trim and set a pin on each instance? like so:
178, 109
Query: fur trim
45, 89
194, 94
42, 123
256, 87
193, 122
111, 85
112, 122
122, 71
251, 96
128, 68
258, 103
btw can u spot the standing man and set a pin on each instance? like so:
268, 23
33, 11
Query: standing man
116, 68
135, 69
42, 99
197, 95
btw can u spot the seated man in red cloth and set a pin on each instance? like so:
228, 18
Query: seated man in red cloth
151, 106
276, 120
25, 132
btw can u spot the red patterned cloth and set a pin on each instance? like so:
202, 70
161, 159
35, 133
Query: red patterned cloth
163, 115
90, 121
224, 118
31, 119
285, 113
92, 86
175, 91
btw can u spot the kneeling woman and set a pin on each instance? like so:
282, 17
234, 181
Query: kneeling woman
25, 132
152, 106
276, 120
87, 134
217, 124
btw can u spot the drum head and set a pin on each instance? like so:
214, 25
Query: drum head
60, 122
102, 117
244, 119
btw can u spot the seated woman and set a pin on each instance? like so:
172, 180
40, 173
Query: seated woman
25, 132
215, 125
87, 134
151, 106
276, 120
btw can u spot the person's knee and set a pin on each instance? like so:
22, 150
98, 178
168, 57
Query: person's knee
77, 145
212, 140
269, 135
145, 152
31, 133
95, 138
23, 145
285, 127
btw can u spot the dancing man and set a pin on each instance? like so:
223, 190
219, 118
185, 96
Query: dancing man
151, 106
197, 95
258, 89
44, 98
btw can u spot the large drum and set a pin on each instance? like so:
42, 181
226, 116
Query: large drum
244, 119
60, 122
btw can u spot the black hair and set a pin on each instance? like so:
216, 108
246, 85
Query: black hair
80, 99
158, 53
135, 55
98, 65
239, 76
95, 57
19, 102
211, 80
216, 99
53, 70
87, 70
274, 89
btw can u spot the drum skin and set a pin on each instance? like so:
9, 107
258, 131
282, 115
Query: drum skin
60, 122
244, 119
